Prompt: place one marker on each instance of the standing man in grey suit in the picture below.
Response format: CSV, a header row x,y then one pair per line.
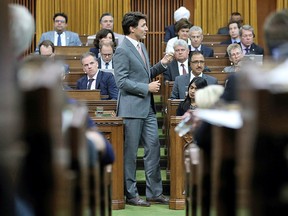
x,y
136,105
60,37
197,63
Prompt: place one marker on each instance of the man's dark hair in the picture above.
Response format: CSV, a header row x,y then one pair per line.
x,y
61,14
131,19
47,43
233,21
235,14
103,15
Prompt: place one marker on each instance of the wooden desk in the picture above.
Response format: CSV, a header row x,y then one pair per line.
x,y
177,174
71,50
84,94
219,49
113,130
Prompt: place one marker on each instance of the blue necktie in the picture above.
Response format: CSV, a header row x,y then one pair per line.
x,y
59,39
90,83
106,65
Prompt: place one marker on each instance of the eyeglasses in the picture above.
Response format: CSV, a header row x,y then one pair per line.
x,y
198,62
61,21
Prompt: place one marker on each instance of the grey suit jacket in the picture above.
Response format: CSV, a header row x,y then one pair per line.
x,y
72,38
181,83
132,78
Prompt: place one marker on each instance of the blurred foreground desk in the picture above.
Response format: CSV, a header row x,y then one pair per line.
x,y
113,129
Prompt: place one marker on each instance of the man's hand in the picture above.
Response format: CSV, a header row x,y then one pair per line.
x,y
167,59
154,87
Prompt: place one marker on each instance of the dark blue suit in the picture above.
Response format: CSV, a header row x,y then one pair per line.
x,y
95,51
105,82
255,49
169,33
207,51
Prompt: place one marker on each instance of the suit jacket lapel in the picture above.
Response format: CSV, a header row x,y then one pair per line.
x,y
137,54
98,79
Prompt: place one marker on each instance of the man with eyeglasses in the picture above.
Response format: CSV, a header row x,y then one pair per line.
x,y
95,78
60,37
247,41
197,64
106,49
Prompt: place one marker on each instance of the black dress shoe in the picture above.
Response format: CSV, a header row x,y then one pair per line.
x,y
159,200
137,201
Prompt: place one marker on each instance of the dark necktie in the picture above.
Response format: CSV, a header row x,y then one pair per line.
x,y
106,65
247,50
235,41
89,83
183,69
59,39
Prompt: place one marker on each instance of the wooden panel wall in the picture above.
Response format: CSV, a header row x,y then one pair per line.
x,y
159,14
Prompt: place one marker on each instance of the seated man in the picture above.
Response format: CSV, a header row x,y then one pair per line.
x,y
179,65
234,31
95,78
180,13
47,48
197,63
107,22
235,16
106,49
247,41
196,37
59,35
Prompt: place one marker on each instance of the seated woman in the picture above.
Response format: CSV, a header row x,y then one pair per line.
x,y
235,55
182,29
102,35
189,102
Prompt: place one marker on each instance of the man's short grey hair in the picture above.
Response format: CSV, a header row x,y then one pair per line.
x,y
196,28
180,42
247,28
22,28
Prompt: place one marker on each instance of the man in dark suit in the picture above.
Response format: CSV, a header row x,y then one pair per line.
x,y
59,36
136,106
180,64
235,16
234,31
196,37
197,63
96,79
180,13
247,42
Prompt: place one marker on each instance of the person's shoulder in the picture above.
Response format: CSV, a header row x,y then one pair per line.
x,y
47,33
72,33
226,42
